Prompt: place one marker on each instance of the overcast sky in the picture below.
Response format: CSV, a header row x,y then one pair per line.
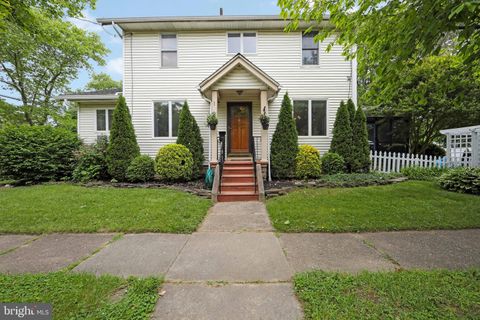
x,y
148,8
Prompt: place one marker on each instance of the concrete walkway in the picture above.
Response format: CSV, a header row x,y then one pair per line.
x,y
235,266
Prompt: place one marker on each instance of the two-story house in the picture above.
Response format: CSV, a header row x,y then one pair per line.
x,y
236,66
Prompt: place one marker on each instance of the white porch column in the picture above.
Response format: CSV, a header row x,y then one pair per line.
x,y
264,106
213,133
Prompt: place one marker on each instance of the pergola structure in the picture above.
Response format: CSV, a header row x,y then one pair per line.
x,y
463,146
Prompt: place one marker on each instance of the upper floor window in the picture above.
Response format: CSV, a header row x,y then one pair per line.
x,y
242,42
310,117
309,49
104,119
165,118
169,50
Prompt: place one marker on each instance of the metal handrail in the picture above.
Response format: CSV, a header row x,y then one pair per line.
x,y
221,159
252,142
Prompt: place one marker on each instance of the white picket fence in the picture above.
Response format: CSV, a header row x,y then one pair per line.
x,y
394,161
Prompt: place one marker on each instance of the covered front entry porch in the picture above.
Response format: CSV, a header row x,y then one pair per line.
x,y
239,92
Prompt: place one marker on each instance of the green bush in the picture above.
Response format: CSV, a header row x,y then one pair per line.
x,y
307,163
435,150
332,163
37,153
462,180
357,179
174,162
420,173
123,147
189,135
342,136
142,169
284,146
360,149
92,162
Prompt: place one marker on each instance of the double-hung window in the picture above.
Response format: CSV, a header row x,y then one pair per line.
x,y
165,118
169,50
310,117
104,120
242,42
309,49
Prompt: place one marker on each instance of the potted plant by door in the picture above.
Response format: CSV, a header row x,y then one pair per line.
x,y
264,119
212,120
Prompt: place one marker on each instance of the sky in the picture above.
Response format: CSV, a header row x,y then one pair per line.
x,y
149,8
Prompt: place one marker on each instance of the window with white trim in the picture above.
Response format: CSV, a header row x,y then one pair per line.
x,y
168,47
242,42
310,117
104,120
165,118
309,49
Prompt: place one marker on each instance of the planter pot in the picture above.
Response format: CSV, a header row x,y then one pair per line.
x,y
265,126
212,126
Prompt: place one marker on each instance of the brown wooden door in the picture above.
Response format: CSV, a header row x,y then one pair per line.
x,y
239,128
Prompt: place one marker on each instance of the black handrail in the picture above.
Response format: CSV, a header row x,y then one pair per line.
x,y
252,148
221,158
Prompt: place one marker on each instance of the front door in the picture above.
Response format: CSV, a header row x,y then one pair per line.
x,y
239,125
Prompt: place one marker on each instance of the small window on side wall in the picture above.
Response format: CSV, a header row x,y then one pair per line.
x,y
310,117
169,50
309,49
242,42
104,119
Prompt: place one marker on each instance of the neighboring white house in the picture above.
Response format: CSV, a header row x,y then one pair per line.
x,y
236,66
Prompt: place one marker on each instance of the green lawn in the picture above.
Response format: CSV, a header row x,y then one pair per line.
x,y
413,205
390,295
84,296
72,208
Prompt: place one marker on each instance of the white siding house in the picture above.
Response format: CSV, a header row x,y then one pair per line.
x,y
212,62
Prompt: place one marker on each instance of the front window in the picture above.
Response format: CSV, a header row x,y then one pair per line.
x,y
169,50
104,119
165,118
309,49
242,42
310,117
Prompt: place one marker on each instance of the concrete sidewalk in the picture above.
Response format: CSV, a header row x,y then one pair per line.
x,y
235,267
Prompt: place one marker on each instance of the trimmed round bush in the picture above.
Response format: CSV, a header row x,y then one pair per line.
x,y
142,169
174,162
332,163
37,153
92,162
462,180
307,162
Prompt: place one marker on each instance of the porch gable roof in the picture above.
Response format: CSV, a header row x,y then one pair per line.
x,y
230,65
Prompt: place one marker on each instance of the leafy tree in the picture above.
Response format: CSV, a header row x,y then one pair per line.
x,y
360,148
342,135
40,66
387,33
22,12
102,81
123,147
189,136
10,115
436,94
284,146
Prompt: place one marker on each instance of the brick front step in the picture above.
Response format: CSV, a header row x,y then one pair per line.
x,y
233,178
237,196
238,186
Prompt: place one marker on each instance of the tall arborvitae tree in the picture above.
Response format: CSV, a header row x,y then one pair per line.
x,y
123,147
361,149
284,147
189,136
351,111
342,135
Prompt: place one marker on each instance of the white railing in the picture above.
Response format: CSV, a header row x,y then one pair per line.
x,y
394,161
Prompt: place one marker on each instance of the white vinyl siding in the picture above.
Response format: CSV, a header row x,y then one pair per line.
x,y
279,54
